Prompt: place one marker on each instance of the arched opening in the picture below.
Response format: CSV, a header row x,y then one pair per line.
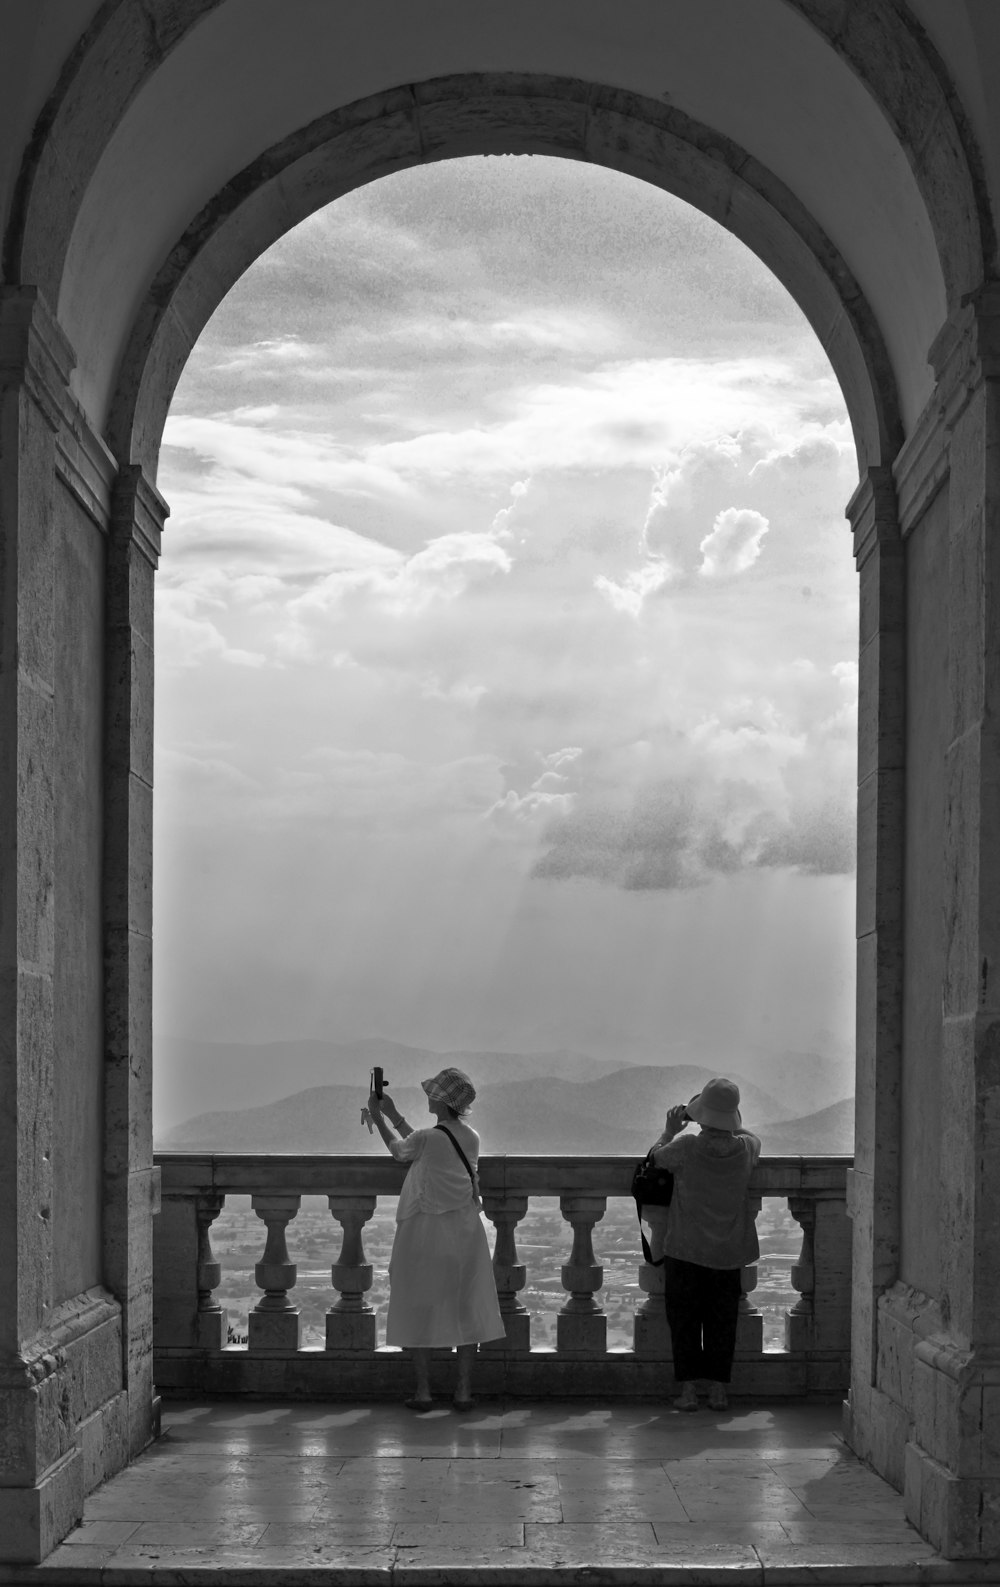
x,y
852,170
506,685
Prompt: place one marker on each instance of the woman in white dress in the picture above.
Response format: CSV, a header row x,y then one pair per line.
x,y
441,1287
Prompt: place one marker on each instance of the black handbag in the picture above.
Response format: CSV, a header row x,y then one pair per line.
x,y
651,1187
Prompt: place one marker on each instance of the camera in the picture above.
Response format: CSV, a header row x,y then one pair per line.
x,y
377,1082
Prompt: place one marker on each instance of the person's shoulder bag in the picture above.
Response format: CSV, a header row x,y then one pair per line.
x,y
651,1187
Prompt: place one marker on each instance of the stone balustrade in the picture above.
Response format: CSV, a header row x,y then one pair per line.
x,y
190,1326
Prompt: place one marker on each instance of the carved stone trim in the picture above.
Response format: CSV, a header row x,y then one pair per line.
x,y
86,467
872,513
45,1353
139,512
34,352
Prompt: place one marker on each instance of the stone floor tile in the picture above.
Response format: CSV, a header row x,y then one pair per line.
x,y
480,1537
743,1532
890,1529
661,1507
103,1534
882,1563
592,1540
315,1534
76,1557
179,1533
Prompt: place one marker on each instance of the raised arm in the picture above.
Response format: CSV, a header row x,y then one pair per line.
x,y
383,1111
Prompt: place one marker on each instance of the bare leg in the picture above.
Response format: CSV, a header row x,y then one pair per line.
x,y
466,1359
421,1366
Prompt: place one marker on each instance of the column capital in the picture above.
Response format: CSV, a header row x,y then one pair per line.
x,y
34,352
872,512
138,512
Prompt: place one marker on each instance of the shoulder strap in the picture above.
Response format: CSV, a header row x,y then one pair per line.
x,y
647,1253
468,1166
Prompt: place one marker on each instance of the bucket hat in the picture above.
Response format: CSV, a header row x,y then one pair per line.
x,y
717,1106
452,1086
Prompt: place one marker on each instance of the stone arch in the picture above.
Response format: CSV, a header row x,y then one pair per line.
x,y
876,54
484,114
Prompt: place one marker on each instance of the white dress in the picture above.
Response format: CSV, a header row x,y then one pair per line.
x,y
441,1286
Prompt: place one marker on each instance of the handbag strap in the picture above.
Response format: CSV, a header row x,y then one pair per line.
x,y
468,1166
647,1253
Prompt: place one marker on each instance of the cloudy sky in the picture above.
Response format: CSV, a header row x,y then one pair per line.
x,y
506,634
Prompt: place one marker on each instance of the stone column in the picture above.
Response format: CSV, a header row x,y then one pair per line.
x,y
131,1183
953,1457
799,1320
749,1323
211,1318
871,1421
581,1326
350,1323
41,1470
275,1324
505,1213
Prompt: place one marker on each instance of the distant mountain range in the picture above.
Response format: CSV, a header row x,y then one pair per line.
x,y
605,1115
192,1079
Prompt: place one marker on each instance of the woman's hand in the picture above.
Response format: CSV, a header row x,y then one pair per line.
x,y
374,1104
677,1118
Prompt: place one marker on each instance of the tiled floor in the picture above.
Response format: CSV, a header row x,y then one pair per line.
x,y
511,1492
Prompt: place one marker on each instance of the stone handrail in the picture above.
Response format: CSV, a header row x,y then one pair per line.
x,y
190,1327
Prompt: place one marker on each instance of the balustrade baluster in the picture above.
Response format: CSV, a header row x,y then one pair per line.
x,y
505,1213
350,1322
749,1323
799,1321
650,1334
581,1326
275,1324
211,1324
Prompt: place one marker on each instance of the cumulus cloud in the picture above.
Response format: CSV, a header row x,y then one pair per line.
x,y
734,543
629,594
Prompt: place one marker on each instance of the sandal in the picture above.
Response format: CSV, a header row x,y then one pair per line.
x,y
413,1404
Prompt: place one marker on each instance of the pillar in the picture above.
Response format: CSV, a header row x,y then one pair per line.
x,y
63,1411
874,1425
952,1471
131,1183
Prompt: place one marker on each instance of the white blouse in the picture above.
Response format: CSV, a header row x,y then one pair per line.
x,y
437,1179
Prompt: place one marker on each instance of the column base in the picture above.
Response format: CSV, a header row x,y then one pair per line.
x,y
959,1516
351,1330
274,1332
581,1333
34,1520
518,1338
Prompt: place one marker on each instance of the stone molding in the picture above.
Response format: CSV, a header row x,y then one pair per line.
x,y
67,1324
86,466
965,352
34,352
139,512
872,513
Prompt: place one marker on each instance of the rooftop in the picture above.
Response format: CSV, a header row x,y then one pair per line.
x,y
514,1491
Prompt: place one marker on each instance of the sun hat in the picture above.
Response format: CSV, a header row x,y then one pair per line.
x,y
451,1086
717,1106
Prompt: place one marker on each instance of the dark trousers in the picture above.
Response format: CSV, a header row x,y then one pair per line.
x,y
702,1307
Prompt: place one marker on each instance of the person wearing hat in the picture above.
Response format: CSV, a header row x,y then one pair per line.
x,y
710,1236
441,1286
